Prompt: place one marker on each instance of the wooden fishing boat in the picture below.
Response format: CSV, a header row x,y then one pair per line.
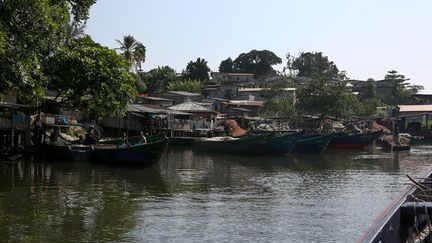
x,y
390,147
352,141
140,154
184,141
132,140
246,145
314,143
282,143
407,218
66,152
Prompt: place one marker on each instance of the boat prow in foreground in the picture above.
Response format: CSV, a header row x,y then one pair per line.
x,y
407,218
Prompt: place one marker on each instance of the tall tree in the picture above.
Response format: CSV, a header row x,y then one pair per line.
x,y
157,79
370,90
309,64
30,32
279,101
197,70
327,98
133,51
257,62
226,66
91,77
401,91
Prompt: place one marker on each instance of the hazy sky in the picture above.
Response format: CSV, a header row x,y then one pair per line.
x,y
364,37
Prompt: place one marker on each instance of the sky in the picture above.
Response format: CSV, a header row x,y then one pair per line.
x,y
366,38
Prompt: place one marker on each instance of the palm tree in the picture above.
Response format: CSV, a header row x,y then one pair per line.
x,y
132,50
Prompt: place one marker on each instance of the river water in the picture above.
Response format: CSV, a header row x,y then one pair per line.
x,y
195,197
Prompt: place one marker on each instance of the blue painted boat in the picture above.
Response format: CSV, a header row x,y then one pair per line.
x,y
315,143
283,143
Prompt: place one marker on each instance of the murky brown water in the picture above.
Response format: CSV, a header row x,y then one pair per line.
x,y
204,197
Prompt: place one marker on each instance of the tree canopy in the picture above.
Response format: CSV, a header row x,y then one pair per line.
x,y
309,64
133,51
157,79
257,62
197,70
226,66
327,98
278,100
194,86
31,31
92,77
401,91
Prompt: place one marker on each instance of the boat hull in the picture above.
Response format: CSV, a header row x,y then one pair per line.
x,y
388,147
394,224
54,152
314,144
351,141
281,144
249,145
139,154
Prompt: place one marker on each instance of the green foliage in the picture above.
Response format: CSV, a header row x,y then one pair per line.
x,y
133,51
368,109
197,70
371,90
226,66
158,78
30,32
91,77
309,64
278,101
400,91
257,62
194,86
327,98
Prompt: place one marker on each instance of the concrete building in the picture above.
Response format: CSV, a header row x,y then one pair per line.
x,y
179,97
233,77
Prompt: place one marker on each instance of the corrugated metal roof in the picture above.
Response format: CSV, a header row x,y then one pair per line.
x,y
189,107
415,108
184,93
145,109
246,102
156,98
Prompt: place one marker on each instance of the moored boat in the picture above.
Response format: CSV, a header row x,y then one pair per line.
x,y
282,143
389,146
407,218
352,141
66,152
315,143
139,154
245,145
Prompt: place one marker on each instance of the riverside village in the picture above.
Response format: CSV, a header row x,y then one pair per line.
x,y
98,146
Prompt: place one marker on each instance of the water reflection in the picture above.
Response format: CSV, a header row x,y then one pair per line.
x,y
194,196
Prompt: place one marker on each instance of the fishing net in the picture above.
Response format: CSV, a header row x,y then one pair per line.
x,y
235,129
